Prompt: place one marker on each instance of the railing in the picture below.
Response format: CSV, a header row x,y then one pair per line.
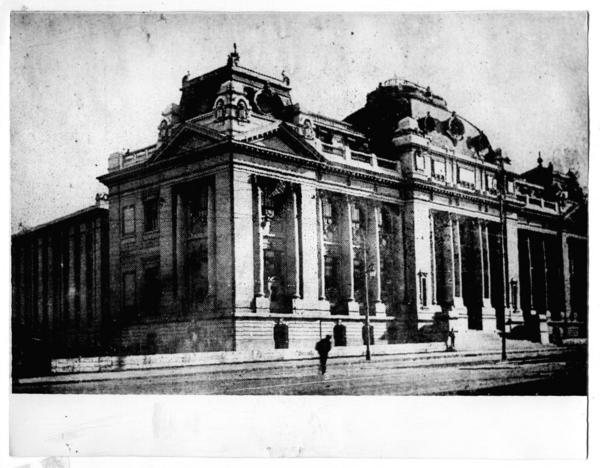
x,y
131,158
550,205
333,149
387,163
361,157
535,201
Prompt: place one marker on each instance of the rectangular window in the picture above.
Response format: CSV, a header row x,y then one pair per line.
x,y
332,279
419,161
129,293
198,212
491,182
150,214
438,170
466,176
128,220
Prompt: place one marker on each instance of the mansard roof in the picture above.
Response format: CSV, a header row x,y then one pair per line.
x,y
198,95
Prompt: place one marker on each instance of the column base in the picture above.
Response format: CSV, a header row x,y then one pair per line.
x,y
353,308
458,302
262,305
544,335
488,317
380,309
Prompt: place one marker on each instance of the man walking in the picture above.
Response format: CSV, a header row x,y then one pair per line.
x,y
323,347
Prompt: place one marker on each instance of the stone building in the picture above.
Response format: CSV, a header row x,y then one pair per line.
x,y
253,223
60,289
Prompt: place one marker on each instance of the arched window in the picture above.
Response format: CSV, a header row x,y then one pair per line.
x,y
241,110
219,110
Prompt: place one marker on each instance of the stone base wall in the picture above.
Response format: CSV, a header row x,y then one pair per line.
x,y
175,337
303,333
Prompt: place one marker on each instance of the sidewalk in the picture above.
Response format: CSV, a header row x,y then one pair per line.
x,y
412,355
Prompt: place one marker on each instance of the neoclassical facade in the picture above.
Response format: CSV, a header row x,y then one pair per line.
x,y
254,223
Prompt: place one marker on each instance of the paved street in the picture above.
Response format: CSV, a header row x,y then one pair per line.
x,y
553,373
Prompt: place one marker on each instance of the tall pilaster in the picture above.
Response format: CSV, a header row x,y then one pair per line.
x,y
312,263
211,242
243,239
180,250
512,240
566,275
71,287
488,314
259,265
294,289
224,247
373,249
167,223
41,302
321,248
457,251
50,278
433,254
347,242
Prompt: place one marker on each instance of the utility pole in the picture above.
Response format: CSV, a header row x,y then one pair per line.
x,y
501,199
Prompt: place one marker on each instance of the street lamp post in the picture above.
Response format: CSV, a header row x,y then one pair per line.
x,y
369,273
501,199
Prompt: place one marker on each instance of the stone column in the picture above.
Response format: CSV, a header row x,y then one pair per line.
x,y
488,314
294,291
543,314
433,259
180,251
71,288
211,241
566,275
243,240
83,291
530,274
348,255
224,248
50,283
40,285
97,265
167,222
456,250
321,247
312,262
261,303
488,276
446,255
460,312
374,256
512,240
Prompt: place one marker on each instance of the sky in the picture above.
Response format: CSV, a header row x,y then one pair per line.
x,y
83,86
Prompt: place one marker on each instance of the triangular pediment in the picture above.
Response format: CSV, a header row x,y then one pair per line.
x,y
285,139
187,139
